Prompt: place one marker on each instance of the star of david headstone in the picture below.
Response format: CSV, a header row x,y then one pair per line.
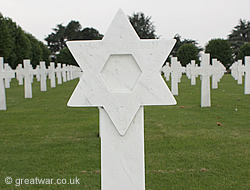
x,y
121,72
121,75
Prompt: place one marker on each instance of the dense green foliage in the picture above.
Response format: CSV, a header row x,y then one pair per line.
x,y
244,51
16,45
184,147
143,25
180,42
239,36
73,31
188,52
220,49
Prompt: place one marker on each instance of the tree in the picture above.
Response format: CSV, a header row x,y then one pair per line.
x,y
66,57
73,31
244,51
239,36
220,49
36,53
179,43
5,39
143,26
187,52
16,45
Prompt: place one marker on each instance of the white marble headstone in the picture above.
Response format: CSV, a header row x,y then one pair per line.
x,y
205,72
240,71
166,71
176,73
52,75
27,72
43,72
19,75
64,73
3,75
121,74
218,70
8,69
59,73
247,75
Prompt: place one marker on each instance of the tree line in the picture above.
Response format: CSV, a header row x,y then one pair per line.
x,y
16,44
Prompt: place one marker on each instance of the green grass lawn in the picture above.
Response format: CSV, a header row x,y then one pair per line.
x,y
184,147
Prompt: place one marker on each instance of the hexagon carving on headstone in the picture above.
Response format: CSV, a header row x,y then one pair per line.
x,y
121,72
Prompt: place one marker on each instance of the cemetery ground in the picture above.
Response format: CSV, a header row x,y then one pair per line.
x,y
186,146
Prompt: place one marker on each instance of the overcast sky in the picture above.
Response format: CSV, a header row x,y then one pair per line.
x,y
200,20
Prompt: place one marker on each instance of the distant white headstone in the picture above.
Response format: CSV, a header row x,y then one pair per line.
x,y
218,70
27,72
19,75
166,71
194,72
247,75
176,73
43,76
52,76
121,74
8,69
205,72
240,71
38,76
59,73
64,73
3,75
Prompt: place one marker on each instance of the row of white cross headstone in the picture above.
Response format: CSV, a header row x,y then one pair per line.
x,y
25,73
206,70
238,70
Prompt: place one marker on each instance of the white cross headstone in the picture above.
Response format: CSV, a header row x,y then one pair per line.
x,y
52,77
43,76
218,70
68,72
19,76
166,71
3,75
8,69
38,76
176,73
121,75
193,72
27,72
247,75
240,71
59,73
234,70
188,70
205,72
64,73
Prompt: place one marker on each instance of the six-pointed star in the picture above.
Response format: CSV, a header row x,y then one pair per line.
x,y
121,72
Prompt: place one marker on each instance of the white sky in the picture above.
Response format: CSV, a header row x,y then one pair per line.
x,y
200,20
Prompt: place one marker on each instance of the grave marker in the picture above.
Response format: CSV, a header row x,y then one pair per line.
x,y
64,73
43,76
176,73
52,76
218,70
205,72
166,71
247,75
59,73
19,76
27,72
3,75
121,75
240,71
8,69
